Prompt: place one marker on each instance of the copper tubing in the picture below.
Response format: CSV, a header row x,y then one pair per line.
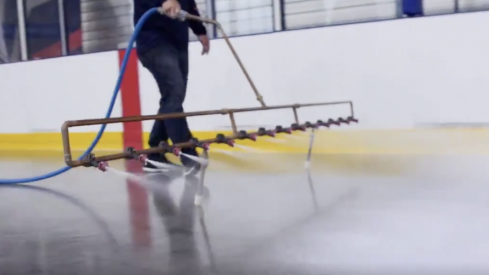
x,y
76,123
90,162
87,122
124,155
233,123
296,116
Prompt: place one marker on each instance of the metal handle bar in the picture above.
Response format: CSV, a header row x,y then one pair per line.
x,y
183,15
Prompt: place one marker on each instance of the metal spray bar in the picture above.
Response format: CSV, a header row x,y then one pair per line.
x,y
91,160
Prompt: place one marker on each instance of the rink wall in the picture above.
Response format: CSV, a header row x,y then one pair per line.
x,y
402,76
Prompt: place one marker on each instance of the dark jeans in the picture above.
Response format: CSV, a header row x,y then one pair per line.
x,y
169,67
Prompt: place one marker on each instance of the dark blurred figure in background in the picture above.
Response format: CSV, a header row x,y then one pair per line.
x,y
412,8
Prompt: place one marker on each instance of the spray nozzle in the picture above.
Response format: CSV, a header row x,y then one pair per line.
x,y
197,144
352,119
332,121
263,132
310,125
220,138
103,166
132,154
279,129
90,161
297,127
244,135
322,123
342,120
166,148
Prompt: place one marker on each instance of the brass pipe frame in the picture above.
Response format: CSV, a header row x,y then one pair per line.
x,y
76,123
65,128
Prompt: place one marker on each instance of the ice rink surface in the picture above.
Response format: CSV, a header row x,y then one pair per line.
x,y
392,214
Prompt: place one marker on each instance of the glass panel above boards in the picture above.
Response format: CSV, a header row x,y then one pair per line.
x,y
10,46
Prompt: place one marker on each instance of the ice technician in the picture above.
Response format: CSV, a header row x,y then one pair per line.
x,y
162,48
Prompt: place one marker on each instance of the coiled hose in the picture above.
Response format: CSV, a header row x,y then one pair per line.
x,y
137,29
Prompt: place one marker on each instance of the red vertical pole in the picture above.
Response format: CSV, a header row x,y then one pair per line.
x,y
133,137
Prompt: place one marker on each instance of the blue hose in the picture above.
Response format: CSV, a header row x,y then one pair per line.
x,y
137,29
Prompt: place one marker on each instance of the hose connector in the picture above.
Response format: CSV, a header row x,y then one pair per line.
x,y
181,15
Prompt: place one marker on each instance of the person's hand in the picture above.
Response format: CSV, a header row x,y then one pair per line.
x,y
204,39
171,8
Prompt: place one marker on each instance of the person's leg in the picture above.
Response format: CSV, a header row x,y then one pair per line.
x,y
183,62
158,132
164,64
